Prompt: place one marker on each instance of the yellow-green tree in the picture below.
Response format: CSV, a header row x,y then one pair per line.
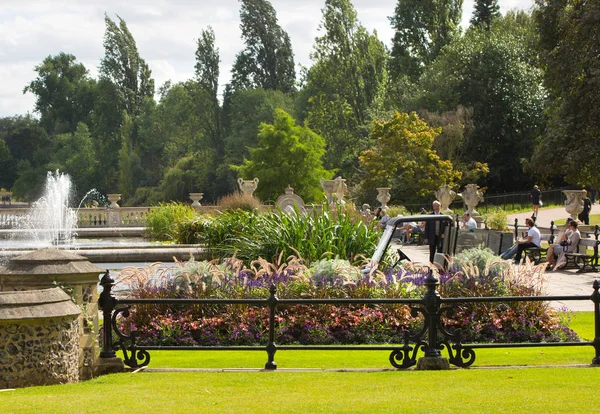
x,y
402,158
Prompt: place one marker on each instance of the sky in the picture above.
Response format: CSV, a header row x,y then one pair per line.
x,y
165,31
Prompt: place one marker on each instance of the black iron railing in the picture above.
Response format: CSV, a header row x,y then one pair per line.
x,y
432,338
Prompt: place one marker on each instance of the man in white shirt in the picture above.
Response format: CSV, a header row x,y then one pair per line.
x,y
469,222
533,239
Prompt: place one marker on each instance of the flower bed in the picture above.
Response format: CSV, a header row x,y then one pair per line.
x,y
334,324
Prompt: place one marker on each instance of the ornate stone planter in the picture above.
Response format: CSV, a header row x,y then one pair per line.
x,y
196,197
472,196
248,187
329,187
383,195
113,198
574,203
445,195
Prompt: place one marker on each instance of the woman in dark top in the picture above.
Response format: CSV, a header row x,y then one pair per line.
x,y
536,199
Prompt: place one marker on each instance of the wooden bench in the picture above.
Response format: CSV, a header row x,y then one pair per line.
x,y
581,258
539,254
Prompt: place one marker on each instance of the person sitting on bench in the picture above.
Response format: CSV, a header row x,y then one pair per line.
x,y
567,244
532,239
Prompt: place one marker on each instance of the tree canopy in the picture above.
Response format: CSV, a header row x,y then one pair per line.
x,y
286,154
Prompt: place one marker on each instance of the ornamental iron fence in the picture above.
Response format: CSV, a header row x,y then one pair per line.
x,y
432,338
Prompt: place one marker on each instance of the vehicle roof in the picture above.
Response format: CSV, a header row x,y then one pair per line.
x,y
421,217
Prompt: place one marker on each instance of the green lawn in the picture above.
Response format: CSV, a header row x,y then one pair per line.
x,y
483,388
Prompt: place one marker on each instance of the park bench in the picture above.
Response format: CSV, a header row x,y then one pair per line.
x,y
582,258
539,254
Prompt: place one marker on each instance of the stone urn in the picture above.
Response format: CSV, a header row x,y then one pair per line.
x,y
196,197
472,196
574,202
248,187
340,190
113,198
383,196
329,186
445,195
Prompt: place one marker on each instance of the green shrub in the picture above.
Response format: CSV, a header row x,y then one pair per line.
x,y
162,221
497,219
250,235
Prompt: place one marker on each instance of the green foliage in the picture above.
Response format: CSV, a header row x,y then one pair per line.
x,y
569,36
497,219
480,261
286,154
345,84
493,73
268,60
74,153
484,12
64,93
250,235
244,111
162,221
402,158
422,29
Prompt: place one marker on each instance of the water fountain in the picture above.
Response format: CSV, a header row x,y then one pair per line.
x,y
51,220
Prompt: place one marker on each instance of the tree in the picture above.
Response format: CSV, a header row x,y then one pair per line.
x,y
28,144
492,73
287,154
569,36
422,29
207,76
268,60
123,66
74,154
402,158
345,85
484,12
64,93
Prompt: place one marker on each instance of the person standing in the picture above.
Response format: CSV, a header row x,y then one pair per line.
x,y
584,216
434,232
536,200
532,239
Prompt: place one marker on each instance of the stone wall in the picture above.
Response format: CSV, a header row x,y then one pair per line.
x,y
39,352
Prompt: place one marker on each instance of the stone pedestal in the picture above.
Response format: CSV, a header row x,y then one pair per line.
x,y
433,364
47,268
383,196
39,338
112,365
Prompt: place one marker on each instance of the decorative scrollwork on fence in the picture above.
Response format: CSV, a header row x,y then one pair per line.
x,y
131,354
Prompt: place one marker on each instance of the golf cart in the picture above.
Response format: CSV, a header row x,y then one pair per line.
x,y
387,238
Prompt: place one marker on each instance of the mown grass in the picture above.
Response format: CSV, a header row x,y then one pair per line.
x,y
478,389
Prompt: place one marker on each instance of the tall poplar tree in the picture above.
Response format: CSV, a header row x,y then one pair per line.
x,y
268,60
345,84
